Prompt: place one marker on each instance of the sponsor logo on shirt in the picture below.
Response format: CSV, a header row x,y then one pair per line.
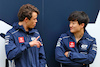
x,y
84,46
33,38
72,44
21,39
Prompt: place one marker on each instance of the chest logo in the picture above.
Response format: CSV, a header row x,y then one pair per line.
x,y
84,47
21,39
72,44
33,38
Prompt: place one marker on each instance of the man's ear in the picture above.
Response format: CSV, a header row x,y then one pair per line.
x,y
82,25
26,19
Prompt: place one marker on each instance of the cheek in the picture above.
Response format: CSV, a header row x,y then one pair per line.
x,y
33,21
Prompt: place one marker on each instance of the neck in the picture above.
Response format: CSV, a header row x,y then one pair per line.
x,y
79,35
24,25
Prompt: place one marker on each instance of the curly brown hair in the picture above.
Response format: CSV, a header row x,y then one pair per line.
x,y
26,11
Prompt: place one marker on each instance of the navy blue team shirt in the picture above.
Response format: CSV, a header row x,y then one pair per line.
x,y
18,48
81,53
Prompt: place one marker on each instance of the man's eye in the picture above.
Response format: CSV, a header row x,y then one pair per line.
x,y
35,19
73,23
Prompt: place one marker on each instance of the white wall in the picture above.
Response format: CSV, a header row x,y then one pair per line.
x,y
3,28
94,30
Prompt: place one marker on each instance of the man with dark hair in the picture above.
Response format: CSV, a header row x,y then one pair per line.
x,y
23,43
76,48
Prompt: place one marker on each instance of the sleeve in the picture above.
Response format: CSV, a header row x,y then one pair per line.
x,y
13,51
42,58
85,58
59,54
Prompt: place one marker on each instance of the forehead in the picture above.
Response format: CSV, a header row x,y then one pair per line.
x,y
34,15
75,21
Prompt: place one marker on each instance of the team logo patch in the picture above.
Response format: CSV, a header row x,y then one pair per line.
x,y
21,39
33,38
84,46
72,44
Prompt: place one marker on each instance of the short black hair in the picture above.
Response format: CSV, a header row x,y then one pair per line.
x,y
79,16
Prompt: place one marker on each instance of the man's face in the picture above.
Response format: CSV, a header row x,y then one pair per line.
x,y
75,27
32,22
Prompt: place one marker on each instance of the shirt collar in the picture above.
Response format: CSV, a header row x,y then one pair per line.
x,y
85,35
17,26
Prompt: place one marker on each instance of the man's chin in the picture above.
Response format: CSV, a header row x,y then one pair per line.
x,y
31,27
72,31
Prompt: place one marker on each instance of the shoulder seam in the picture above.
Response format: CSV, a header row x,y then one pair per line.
x,y
15,31
89,39
65,37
